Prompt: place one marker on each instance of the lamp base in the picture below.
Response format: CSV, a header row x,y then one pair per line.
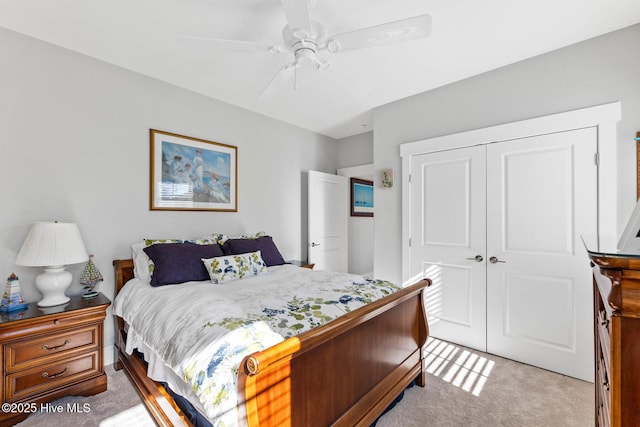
x,y
52,283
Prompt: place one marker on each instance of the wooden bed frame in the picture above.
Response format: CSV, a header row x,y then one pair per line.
x,y
343,373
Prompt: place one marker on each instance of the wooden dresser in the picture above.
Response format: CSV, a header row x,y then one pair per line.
x,y
51,352
617,338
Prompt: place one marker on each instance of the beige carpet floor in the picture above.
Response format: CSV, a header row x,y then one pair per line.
x,y
464,388
469,388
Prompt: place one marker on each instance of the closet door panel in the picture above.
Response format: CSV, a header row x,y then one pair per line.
x,y
537,200
447,233
541,197
446,215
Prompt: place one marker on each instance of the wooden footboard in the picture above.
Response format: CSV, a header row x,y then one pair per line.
x,y
344,373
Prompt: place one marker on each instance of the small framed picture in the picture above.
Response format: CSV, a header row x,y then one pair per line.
x,y
387,178
361,197
630,239
192,174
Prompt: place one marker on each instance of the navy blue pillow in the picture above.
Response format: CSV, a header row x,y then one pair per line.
x,y
270,253
180,262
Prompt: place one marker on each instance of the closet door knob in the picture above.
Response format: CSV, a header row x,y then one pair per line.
x,y
477,258
494,260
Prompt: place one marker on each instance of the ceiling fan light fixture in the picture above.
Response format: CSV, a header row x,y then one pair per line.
x,y
306,55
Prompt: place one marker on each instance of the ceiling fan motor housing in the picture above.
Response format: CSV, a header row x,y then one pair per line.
x,y
305,46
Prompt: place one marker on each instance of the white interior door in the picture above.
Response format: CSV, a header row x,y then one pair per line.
x,y
448,241
328,221
541,196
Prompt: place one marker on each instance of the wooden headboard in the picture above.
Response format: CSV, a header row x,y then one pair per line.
x,y
123,272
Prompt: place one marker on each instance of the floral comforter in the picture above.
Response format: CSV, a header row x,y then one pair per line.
x,y
202,331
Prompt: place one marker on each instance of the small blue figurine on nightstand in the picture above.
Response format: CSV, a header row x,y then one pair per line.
x,y
12,297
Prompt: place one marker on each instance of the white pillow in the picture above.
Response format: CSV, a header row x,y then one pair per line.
x,y
234,267
140,262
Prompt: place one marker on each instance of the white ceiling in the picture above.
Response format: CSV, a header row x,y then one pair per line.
x,y
468,37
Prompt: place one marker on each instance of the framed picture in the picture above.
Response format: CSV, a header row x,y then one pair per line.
x,y
387,178
361,197
192,174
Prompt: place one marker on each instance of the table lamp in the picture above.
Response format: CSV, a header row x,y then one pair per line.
x,y
52,245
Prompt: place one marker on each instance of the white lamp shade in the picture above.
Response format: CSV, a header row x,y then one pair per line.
x,y
52,244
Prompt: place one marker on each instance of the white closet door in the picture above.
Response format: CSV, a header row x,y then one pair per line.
x,y
541,196
447,234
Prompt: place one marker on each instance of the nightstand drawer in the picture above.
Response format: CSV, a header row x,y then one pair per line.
x,y
22,354
47,377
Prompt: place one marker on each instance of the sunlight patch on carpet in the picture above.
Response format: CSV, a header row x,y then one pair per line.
x,y
136,416
458,366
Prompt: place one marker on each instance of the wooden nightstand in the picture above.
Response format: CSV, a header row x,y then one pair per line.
x,y
51,352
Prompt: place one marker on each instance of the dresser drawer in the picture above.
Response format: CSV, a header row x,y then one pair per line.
x,y
44,378
22,354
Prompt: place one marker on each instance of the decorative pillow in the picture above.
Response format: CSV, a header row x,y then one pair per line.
x,y
143,266
180,262
221,238
233,267
270,253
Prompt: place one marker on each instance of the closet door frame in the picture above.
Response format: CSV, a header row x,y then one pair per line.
x,y
603,117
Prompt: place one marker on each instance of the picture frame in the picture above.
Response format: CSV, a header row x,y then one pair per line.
x,y
192,174
361,197
386,178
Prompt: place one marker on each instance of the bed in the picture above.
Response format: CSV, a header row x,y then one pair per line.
x,y
342,372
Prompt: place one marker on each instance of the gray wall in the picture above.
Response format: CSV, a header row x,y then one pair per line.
x,y
75,147
594,72
354,152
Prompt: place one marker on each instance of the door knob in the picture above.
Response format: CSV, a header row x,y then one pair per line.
x,y
494,260
314,244
477,258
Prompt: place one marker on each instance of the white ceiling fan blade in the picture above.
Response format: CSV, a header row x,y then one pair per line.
x,y
236,44
297,12
282,77
391,32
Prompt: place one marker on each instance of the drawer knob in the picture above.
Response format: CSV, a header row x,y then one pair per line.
x,y
45,374
56,322
55,347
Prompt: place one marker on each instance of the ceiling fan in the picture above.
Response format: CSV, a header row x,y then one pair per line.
x,y
305,38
